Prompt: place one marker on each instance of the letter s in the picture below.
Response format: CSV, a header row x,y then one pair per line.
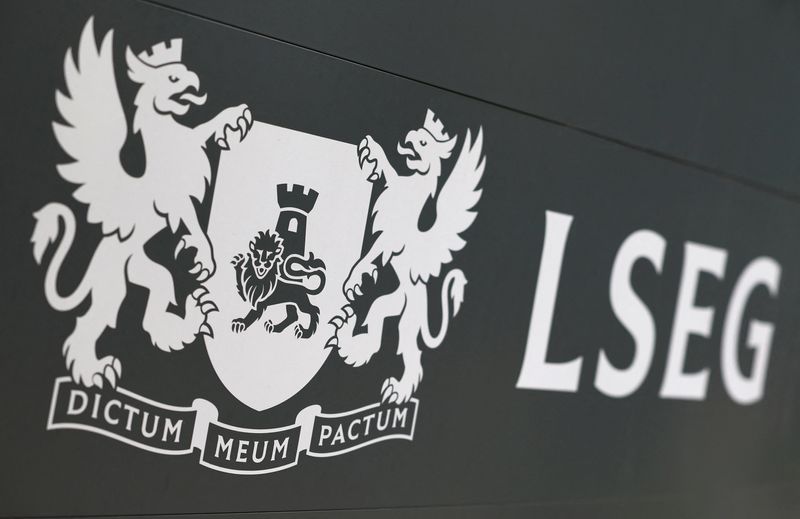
x,y
632,313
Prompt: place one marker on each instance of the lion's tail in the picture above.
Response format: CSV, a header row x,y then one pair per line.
x,y
45,233
307,272
452,291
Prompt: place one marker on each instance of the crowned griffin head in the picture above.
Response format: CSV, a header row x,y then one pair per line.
x,y
426,147
166,82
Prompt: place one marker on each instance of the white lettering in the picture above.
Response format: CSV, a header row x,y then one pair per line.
x,y
74,395
632,313
173,429
107,411
536,372
226,447
691,320
744,390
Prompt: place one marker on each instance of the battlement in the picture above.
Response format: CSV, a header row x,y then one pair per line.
x,y
295,196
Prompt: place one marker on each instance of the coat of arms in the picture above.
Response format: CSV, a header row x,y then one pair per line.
x,y
300,227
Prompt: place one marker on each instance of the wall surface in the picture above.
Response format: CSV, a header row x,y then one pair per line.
x,y
622,198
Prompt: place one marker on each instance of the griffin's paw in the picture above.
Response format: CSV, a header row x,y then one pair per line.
x,y
204,265
333,342
97,373
269,326
355,354
396,391
234,126
204,300
238,326
358,278
170,332
340,319
371,158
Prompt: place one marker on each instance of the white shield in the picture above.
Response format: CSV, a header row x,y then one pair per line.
x,y
259,368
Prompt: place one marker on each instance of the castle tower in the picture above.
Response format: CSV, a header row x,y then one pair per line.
x,y
296,202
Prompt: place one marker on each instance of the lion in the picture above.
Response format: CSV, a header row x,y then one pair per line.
x,y
265,278
415,256
131,210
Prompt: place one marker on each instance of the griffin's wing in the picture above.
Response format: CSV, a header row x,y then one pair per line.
x,y
454,211
94,134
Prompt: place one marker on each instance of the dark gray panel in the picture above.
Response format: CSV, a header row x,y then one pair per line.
x,y
480,441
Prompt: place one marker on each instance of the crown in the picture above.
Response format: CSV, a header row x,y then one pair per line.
x,y
296,197
435,127
163,53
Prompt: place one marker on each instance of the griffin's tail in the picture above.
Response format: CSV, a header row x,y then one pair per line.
x,y
45,233
452,291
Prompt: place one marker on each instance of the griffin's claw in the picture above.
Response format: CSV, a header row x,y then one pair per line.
x,y
243,128
374,275
223,144
205,329
248,115
209,307
392,398
196,268
348,311
97,380
337,322
333,342
204,274
111,376
385,385
350,294
179,247
229,134
373,177
358,291
362,144
117,367
199,292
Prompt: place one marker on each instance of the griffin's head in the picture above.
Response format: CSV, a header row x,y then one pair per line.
x,y
171,87
428,146
266,253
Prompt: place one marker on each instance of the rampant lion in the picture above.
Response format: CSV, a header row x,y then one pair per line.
x,y
416,256
265,278
131,210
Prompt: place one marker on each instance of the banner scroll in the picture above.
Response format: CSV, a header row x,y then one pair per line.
x,y
167,429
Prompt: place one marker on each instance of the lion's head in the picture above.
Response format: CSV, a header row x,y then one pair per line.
x,y
167,85
258,270
266,253
427,147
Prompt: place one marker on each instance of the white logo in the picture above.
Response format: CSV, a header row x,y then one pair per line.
x,y
281,280
131,210
415,256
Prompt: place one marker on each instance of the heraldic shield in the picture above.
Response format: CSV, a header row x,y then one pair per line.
x,y
286,224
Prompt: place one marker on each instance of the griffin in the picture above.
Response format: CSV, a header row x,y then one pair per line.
x,y
131,210
416,256
264,278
